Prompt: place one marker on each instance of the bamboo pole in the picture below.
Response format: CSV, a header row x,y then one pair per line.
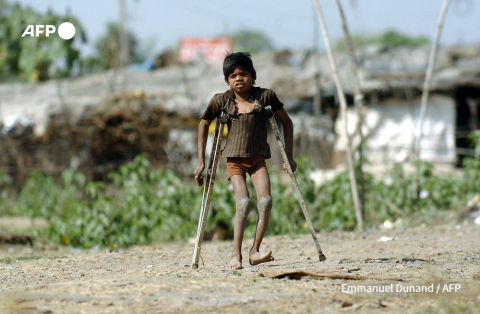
x,y
123,58
358,100
428,77
343,110
317,99
121,66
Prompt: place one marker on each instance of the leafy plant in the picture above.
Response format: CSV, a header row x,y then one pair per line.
x,y
107,49
34,59
142,205
6,195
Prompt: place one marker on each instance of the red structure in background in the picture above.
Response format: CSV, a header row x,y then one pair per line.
x,y
212,50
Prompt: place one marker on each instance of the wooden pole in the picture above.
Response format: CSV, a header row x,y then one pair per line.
x,y
123,60
208,188
271,116
343,110
317,99
358,100
428,77
121,67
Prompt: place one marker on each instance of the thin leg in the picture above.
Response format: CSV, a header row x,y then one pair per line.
x,y
261,182
242,206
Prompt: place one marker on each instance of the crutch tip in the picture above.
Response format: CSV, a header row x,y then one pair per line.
x,y
322,257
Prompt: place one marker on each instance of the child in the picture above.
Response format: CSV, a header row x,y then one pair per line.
x,y
246,148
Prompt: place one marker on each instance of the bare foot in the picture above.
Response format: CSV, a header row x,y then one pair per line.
x,y
235,264
258,258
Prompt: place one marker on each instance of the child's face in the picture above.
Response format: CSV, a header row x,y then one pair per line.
x,y
240,81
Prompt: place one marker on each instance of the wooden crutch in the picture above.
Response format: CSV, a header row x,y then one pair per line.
x,y
208,188
271,116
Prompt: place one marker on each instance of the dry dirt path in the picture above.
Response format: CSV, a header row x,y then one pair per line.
x,y
158,278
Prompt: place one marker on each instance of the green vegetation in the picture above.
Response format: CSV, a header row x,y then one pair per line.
x,y
390,39
33,59
251,41
144,205
107,50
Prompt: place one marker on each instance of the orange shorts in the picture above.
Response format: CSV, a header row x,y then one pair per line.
x,y
242,165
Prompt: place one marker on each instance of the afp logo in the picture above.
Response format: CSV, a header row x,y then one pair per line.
x,y
66,30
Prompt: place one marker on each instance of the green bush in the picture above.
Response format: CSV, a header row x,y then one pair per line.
x,y
6,196
145,206
142,205
390,38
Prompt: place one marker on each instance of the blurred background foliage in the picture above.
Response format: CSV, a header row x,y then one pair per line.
x,y
33,59
107,47
388,39
251,41
141,205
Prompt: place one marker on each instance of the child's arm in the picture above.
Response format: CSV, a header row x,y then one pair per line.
x,y
288,136
201,143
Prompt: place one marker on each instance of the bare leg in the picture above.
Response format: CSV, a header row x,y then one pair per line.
x,y
261,181
243,206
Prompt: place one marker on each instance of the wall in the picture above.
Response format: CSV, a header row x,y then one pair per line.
x,y
391,126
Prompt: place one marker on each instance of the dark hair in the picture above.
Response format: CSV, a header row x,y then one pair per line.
x,y
242,60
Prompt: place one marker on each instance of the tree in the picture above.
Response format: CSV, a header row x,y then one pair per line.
x,y
393,38
107,50
251,41
39,58
389,38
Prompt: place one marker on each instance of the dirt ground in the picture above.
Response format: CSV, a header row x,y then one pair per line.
x,y
444,261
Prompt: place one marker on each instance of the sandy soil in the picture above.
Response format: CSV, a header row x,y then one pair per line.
x,y
159,279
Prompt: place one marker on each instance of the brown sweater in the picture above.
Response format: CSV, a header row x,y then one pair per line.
x,y
247,133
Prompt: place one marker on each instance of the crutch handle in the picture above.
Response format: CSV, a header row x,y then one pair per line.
x,y
268,111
